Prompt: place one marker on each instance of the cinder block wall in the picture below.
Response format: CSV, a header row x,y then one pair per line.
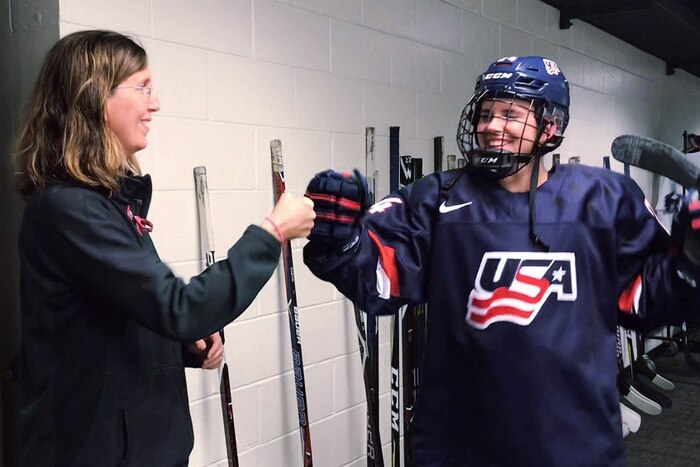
x,y
234,74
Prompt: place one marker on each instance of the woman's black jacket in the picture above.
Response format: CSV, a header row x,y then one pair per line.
x,y
103,321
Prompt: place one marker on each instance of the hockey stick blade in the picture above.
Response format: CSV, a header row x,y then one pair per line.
x,y
641,402
657,157
630,418
643,385
643,367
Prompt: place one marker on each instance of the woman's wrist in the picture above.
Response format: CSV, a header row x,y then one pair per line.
x,y
271,226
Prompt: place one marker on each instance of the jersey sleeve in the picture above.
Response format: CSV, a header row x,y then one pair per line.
x,y
656,287
103,258
387,266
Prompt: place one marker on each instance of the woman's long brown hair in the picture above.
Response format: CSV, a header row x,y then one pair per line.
x,y
65,134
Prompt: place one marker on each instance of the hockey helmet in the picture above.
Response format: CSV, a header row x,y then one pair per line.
x,y
536,86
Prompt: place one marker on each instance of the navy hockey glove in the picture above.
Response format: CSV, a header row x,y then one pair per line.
x,y
686,227
340,200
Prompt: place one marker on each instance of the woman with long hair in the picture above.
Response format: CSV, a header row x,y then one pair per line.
x,y
107,328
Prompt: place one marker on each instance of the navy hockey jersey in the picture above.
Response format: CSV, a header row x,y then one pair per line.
x,y
520,364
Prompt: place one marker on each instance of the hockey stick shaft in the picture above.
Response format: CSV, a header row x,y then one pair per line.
x,y
374,445
293,311
408,322
206,236
394,171
417,338
369,338
438,142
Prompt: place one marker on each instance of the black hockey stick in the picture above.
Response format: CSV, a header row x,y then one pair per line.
x,y
647,367
438,143
408,320
395,319
644,366
656,157
415,333
369,338
293,312
206,238
374,444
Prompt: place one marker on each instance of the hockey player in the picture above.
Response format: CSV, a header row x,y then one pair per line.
x,y
526,274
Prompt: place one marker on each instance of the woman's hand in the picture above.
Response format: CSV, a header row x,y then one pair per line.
x,y
292,217
210,350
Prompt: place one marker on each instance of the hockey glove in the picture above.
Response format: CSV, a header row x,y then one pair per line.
x,y
340,200
686,227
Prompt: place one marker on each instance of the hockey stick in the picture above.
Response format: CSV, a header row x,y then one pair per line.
x,y
372,328
293,312
369,338
408,320
374,444
206,238
416,337
647,368
656,157
437,153
631,420
395,319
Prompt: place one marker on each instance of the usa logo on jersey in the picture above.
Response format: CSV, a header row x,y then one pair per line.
x,y
513,286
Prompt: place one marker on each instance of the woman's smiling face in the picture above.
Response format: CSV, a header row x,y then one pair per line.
x,y
130,107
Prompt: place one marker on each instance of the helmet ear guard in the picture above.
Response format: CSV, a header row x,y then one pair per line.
x,y
554,116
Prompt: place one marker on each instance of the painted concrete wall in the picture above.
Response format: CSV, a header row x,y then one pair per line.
x,y
234,74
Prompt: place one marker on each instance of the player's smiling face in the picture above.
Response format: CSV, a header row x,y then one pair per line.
x,y
507,125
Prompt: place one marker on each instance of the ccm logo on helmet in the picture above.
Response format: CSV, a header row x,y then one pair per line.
x,y
513,286
485,160
502,75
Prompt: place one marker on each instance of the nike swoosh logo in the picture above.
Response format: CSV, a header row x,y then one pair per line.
x,y
444,208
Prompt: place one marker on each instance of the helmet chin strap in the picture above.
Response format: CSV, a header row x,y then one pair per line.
x,y
534,178
534,181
